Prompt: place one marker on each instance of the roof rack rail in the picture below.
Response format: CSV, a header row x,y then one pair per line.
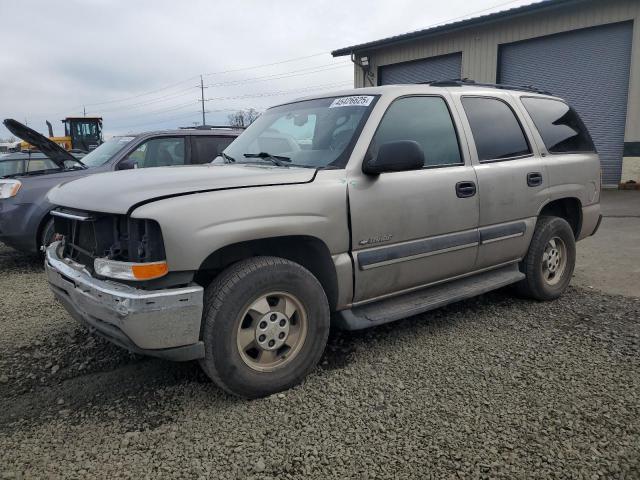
x,y
211,127
461,82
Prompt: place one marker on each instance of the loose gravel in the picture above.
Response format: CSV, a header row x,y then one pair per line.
x,y
494,387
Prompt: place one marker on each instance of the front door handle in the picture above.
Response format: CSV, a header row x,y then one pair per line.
x,y
465,189
534,179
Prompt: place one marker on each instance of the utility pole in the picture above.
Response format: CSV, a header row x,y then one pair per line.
x,y
84,110
204,121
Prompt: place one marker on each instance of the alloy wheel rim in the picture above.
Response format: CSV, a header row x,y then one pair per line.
x,y
271,331
554,261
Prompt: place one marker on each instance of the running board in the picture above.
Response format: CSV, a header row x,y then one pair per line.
x,y
413,303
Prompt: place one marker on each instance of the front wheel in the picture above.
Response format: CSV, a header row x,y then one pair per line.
x,y
265,326
550,260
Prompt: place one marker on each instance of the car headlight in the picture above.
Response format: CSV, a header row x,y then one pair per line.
x,y
130,270
9,188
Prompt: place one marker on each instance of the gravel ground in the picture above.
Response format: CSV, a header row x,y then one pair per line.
x,y
495,387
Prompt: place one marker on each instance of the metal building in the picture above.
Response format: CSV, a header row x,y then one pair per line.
x,y
586,51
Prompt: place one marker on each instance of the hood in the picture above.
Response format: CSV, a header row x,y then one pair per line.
x,y
118,192
51,149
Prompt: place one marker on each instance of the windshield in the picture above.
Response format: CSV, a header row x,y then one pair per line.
x,y
105,152
313,133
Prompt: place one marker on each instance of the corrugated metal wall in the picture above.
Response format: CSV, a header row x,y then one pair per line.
x,y
590,69
479,45
444,67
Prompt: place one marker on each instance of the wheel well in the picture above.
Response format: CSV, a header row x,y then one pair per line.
x,y
310,252
40,230
568,208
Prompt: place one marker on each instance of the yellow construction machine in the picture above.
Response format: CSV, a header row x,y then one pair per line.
x,y
81,134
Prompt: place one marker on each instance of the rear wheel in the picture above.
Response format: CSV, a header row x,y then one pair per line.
x,y
550,260
265,326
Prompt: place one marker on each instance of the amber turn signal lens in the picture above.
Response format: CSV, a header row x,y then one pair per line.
x,y
149,271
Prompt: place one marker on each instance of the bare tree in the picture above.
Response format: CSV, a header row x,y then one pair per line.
x,y
251,115
243,118
236,119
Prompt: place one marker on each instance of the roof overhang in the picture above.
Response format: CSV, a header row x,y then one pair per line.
x,y
454,26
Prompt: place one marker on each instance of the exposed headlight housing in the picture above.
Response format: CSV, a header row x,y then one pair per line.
x,y
9,188
130,271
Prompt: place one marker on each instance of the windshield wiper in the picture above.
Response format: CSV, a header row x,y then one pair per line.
x,y
227,158
275,159
79,166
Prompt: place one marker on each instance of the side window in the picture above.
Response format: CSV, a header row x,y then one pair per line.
x,y
206,149
425,120
560,127
497,132
159,152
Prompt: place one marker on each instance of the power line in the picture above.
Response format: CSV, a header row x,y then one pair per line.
x,y
170,108
204,121
186,91
230,109
142,94
252,67
180,106
151,92
474,13
164,120
281,92
180,93
265,64
470,14
278,76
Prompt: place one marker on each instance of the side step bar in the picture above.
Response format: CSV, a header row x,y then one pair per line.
x,y
430,298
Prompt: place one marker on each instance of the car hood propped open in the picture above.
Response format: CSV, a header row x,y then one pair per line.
x,y
50,148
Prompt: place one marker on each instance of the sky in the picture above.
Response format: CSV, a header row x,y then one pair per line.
x,y
137,63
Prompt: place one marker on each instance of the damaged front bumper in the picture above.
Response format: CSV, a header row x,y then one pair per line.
x,y
160,323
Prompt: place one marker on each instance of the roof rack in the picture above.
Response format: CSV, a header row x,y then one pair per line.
x,y
462,82
211,127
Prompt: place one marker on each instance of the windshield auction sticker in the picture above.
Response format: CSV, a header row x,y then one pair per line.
x,y
355,101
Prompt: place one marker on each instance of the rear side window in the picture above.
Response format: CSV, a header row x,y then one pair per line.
x,y
496,130
206,149
159,152
425,120
559,125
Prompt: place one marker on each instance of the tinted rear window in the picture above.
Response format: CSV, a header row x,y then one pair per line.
x,y
559,125
496,131
206,149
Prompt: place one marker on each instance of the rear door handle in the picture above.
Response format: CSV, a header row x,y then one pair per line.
x,y
465,189
534,179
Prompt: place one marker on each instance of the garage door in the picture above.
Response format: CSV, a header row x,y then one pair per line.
x,y
444,67
590,69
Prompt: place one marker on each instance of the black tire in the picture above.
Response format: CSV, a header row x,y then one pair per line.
x,y
535,285
226,300
47,234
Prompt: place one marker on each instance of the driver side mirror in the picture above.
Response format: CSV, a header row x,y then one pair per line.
x,y
128,164
398,156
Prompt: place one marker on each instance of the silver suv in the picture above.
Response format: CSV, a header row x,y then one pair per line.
x,y
353,209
